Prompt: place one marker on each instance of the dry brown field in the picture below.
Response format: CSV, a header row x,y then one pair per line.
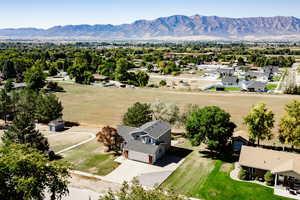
x,y
105,106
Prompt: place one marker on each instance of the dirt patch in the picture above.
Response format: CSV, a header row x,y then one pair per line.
x,y
226,167
93,184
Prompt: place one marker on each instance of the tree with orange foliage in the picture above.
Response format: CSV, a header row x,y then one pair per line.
x,y
111,139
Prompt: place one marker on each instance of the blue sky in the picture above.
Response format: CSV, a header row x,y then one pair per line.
x,y
47,13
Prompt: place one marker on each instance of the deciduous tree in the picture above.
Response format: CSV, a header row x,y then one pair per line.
x,y
26,173
289,126
137,192
110,138
260,122
166,112
210,125
35,78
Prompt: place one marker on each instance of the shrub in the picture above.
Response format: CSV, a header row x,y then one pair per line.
x,y
269,178
163,83
243,174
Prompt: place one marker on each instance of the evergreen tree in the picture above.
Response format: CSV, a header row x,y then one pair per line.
x,y
5,104
23,131
8,70
48,107
137,115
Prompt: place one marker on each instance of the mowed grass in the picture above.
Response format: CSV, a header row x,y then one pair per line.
x,y
209,179
191,175
90,158
61,141
106,106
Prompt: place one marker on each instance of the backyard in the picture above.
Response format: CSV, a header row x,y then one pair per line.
x,y
206,178
90,158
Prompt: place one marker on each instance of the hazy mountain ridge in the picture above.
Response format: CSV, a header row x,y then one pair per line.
x,y
177,26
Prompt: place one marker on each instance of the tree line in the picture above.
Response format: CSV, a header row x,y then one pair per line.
x,y
212,125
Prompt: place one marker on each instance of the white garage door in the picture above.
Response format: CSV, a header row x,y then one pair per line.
x,y
133,155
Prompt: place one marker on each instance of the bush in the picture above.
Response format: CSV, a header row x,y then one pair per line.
x,y
243,174
163,83
269,178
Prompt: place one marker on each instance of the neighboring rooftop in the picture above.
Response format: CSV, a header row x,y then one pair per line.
x,y
230,79
271,160
256,84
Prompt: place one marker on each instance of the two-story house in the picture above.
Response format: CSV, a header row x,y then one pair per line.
x,y
147,143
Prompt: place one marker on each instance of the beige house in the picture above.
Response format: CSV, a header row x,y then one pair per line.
x,y
284,165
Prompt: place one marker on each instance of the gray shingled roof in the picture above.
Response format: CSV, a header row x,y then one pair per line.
x,y
125,131
156,128
138,146
256,84
230,79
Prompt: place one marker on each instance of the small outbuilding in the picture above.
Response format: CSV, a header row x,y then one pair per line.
x,y
57,125
238,142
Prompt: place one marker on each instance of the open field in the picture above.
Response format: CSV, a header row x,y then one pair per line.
x,y
105,106
209,179
90,158
194,80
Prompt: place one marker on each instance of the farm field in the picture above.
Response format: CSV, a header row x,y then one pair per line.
x,y
105,106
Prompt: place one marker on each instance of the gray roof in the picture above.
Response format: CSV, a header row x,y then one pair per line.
x,y
138,146
155,129
56,122
16,85
256,84
229,79
125,131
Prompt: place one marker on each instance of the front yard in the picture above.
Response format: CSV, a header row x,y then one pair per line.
x,y
206,178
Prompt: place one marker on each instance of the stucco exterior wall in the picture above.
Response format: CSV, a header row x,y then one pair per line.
x,y
138,156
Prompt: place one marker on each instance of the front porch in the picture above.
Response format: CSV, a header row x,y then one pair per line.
x,y
287,186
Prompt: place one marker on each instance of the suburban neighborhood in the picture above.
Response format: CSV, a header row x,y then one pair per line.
x,y
150,100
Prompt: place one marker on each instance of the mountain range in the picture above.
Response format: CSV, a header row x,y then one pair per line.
x,y
177,27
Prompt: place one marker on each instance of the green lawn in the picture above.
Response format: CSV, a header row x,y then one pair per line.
x,y
90,158
205,178
271,86
232,89
229,89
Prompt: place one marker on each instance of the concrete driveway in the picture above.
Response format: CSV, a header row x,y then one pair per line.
x,y
148,175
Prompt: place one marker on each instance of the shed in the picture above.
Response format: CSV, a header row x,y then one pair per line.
x,y
57,125
238,142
